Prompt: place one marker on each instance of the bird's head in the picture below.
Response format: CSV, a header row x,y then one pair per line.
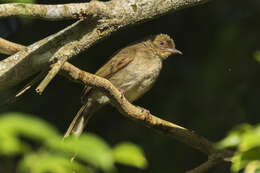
x,y
164,46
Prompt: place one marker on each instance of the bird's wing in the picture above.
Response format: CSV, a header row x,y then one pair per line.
x,y
119,61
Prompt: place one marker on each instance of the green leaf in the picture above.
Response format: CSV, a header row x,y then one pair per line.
x,y
43,162
235,136
231,140
15,125
130,154
11,145
241,159
253,167
250,139
25,125
246,138
257,56
89,148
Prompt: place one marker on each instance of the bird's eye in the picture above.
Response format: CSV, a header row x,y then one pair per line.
x,y
161,43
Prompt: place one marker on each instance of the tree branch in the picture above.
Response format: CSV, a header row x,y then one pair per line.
x,y
104,19
50,12
136,113
94,8
213,160
35,57
177,132
9,48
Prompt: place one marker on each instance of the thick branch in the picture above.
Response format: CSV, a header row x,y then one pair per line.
x,y
49,12
110,17
9,48
145,9
35,57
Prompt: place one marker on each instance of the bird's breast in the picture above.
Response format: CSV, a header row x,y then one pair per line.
x,y
137,77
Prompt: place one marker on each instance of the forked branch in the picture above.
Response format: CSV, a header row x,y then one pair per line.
x,y
98,20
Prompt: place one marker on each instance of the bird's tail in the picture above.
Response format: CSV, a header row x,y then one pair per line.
x,y
78,123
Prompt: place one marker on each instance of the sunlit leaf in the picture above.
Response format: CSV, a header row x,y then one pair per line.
x,y
231,140
11,145
15,125
246,138
257,56
235,136
250,139
241,159
43,162
253,167
89,148
19,124
130,154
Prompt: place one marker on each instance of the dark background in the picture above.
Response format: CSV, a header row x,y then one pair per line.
x,y
213,87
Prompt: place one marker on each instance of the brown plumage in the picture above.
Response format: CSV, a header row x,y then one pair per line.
x,y
133,69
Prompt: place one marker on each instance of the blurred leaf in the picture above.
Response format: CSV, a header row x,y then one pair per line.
x,y
14,125
233,139
89,148
25,125
242,159
257,56
253,167
246,138
46,162
130,154
234,136
11,145
250,139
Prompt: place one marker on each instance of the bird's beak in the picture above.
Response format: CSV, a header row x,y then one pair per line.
x,y
175,51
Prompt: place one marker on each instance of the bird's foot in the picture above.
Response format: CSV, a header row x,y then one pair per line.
x,y
144,110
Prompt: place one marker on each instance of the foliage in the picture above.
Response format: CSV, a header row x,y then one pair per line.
x,y
257,56
43,150
129,154
245,138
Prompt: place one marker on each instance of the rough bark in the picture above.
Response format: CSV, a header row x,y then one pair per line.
x,y
100,20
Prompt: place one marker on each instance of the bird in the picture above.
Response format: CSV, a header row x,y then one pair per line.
x,y
133,70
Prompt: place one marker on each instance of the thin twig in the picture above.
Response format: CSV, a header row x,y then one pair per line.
x,y
213,160
24,89
61,56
